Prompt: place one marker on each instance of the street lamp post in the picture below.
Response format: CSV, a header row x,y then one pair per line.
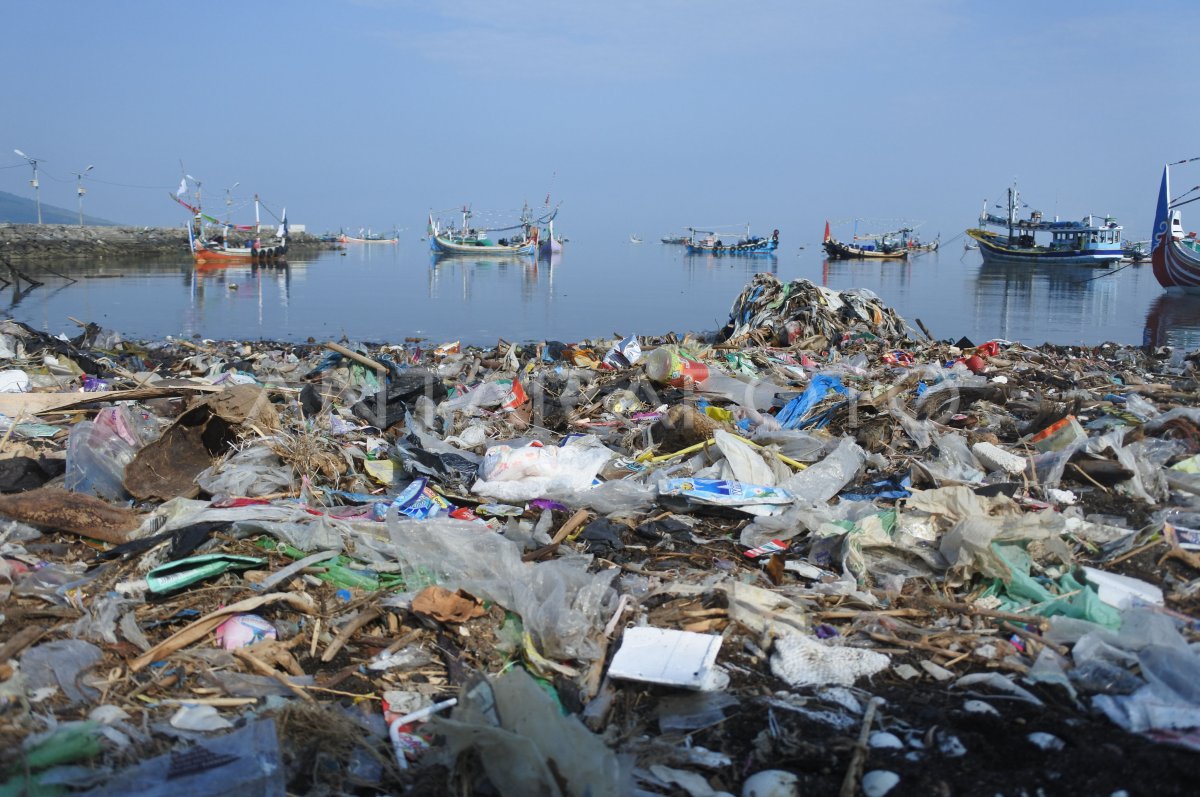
x,y
80,190
37,193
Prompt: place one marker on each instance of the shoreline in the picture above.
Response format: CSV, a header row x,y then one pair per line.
x,y
41,242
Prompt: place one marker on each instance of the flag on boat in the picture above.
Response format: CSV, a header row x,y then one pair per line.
x,y
182,187
826,229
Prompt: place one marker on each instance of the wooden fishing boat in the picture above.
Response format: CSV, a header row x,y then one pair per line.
x,y
880,247
1174,256
679,240
223,242
368,237
467,240
549,245
711,242
1072,243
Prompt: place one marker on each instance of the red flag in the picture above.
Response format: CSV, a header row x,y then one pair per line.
x,y
826,230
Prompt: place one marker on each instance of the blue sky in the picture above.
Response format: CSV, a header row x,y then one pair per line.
x,y
638,116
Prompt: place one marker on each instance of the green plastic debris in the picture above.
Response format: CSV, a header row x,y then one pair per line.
x,y
1029,595
71,742
341,571
174,575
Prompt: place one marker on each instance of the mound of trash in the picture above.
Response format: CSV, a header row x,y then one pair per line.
x,y
802,313
818,556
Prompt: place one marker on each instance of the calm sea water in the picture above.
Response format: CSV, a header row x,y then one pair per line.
x,y
597,288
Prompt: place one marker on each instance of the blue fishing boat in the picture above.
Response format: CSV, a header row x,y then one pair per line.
x,y
1072,243
710,242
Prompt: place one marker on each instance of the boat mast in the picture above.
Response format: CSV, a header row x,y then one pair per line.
x,y
256,224
1012,212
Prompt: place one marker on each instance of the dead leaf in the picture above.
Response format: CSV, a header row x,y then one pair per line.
x,y
445,606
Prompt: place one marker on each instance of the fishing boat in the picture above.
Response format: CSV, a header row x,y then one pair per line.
x,y
368,237
1135,251
1174,256
224,242
549,246
468,240
916,246
678,240
711,242
882,246
634,239
1087,242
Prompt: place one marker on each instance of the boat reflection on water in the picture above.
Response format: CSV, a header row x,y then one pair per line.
x,y
1061,302
237,283
879,273
461,273
751,263
1173,320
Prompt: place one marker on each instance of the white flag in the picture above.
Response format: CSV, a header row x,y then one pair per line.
x,y
182,187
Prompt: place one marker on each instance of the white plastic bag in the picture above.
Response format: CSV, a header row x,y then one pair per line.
x,y
531,471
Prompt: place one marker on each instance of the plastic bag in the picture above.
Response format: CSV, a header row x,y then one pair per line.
x,y
251,472
99,450
560,603
955,460
825,479
619,497
795,444
522,474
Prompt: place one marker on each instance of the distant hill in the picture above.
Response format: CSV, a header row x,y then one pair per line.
x,y
21,210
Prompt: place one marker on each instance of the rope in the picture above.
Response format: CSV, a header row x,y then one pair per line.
x,y
1105,274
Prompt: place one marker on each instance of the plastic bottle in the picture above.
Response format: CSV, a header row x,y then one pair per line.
x,y
667,366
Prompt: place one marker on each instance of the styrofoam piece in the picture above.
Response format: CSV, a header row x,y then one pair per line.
x,y
666,656
993,457
803,661
1122,591
14,381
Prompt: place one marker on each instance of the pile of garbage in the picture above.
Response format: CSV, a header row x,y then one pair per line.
x,y
808,553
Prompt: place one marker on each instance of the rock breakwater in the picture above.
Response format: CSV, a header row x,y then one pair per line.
x,y
41,242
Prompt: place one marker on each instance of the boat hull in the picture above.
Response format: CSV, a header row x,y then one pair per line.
x,y
346,239
447,247
756,248
549,248
203,254
840,251
1176,266
996,252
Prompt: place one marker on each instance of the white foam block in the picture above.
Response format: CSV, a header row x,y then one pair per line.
x,y
665,656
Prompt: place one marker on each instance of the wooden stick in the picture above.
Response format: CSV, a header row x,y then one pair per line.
x,y
200,628
220,702
348,630
1038,638
353,355
859,758
266,669
928,334
316,632
1135,551
574,522
895,640
21,640
973,610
